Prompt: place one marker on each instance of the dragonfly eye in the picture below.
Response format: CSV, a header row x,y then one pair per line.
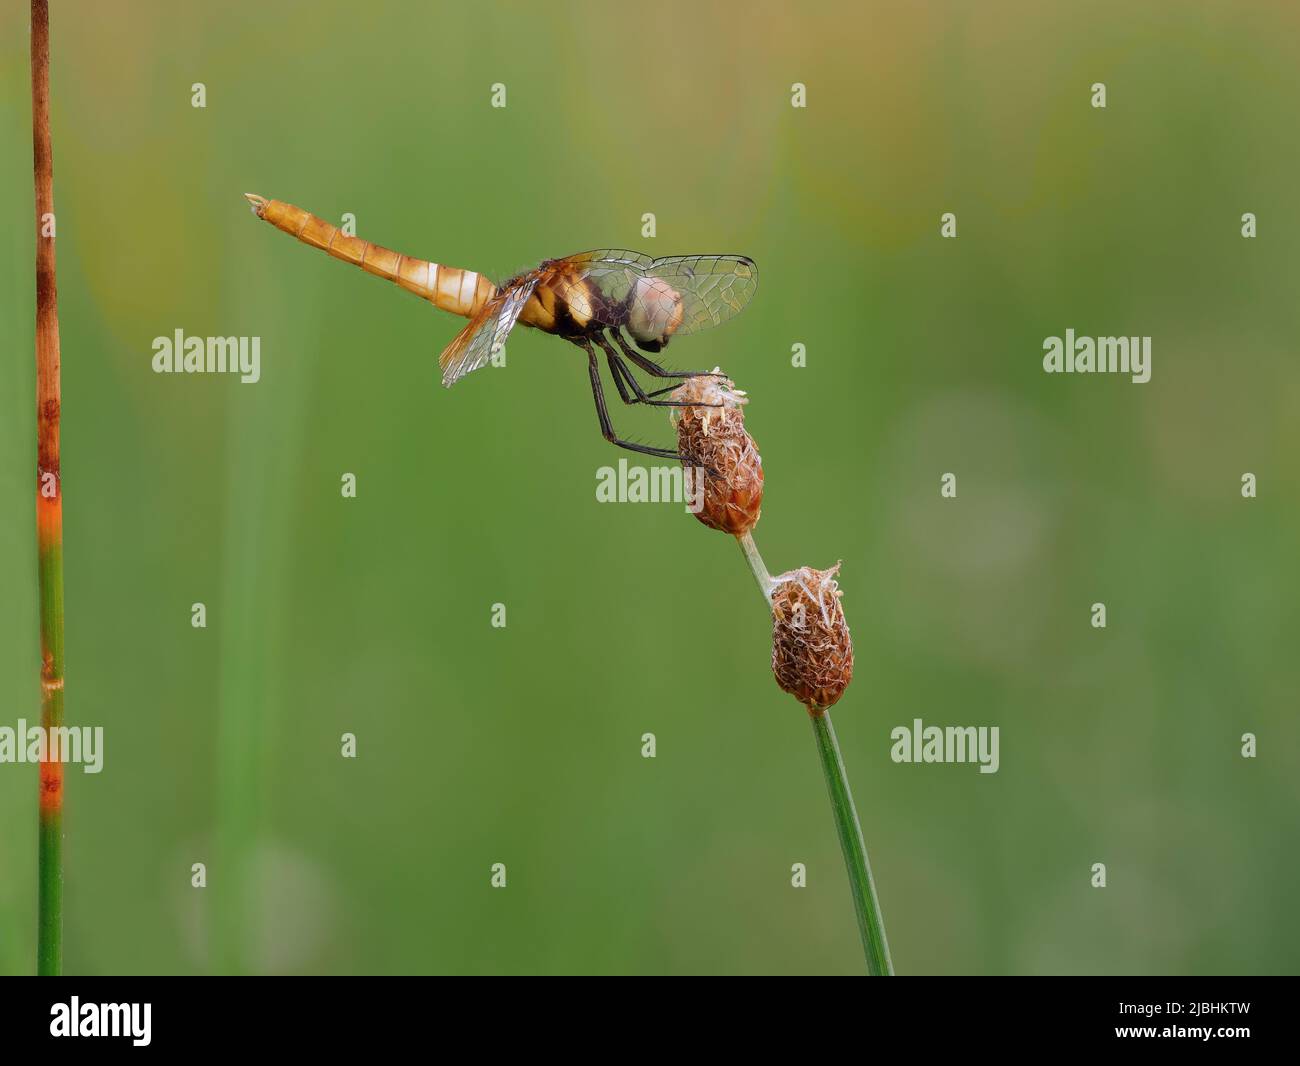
x,y
654,313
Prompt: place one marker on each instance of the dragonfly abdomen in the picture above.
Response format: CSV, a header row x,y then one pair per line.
x,y
462,292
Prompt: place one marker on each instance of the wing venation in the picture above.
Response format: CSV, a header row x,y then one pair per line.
x,y
474,346
712,288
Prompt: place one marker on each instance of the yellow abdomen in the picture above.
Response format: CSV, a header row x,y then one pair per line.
x,y
462,292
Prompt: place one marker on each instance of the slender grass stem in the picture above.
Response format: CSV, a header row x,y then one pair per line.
x,y
49,512
756,565
871,926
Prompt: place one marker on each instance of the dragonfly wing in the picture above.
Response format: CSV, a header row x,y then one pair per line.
x,y
713,288
634,287
613,273
611,257
474,346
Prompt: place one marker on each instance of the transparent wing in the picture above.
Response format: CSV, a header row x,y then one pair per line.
x,y
612,272
611,258
475,345
711,288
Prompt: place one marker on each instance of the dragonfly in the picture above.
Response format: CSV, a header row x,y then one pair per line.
x,y
627,305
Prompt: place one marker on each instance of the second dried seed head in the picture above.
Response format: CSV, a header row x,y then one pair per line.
x,y
812,652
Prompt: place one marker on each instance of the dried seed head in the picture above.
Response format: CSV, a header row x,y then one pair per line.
x,y
812,652
713,441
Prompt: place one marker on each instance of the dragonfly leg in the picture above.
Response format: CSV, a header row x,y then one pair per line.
x,y
620,372
616,372
607,427
654,369
660,392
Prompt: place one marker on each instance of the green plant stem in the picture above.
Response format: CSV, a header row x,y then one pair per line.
x,y
49,513
49,933
49,854
756,565
871,926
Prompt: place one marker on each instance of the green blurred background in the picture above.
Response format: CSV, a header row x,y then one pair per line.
x,y
522,745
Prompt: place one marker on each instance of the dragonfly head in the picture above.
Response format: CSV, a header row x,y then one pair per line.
x,y
654,313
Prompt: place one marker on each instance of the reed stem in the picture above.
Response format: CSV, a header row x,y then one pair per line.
x,y
871,926
49,512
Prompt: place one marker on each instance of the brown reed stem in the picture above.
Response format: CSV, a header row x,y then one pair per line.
x,y
49,512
